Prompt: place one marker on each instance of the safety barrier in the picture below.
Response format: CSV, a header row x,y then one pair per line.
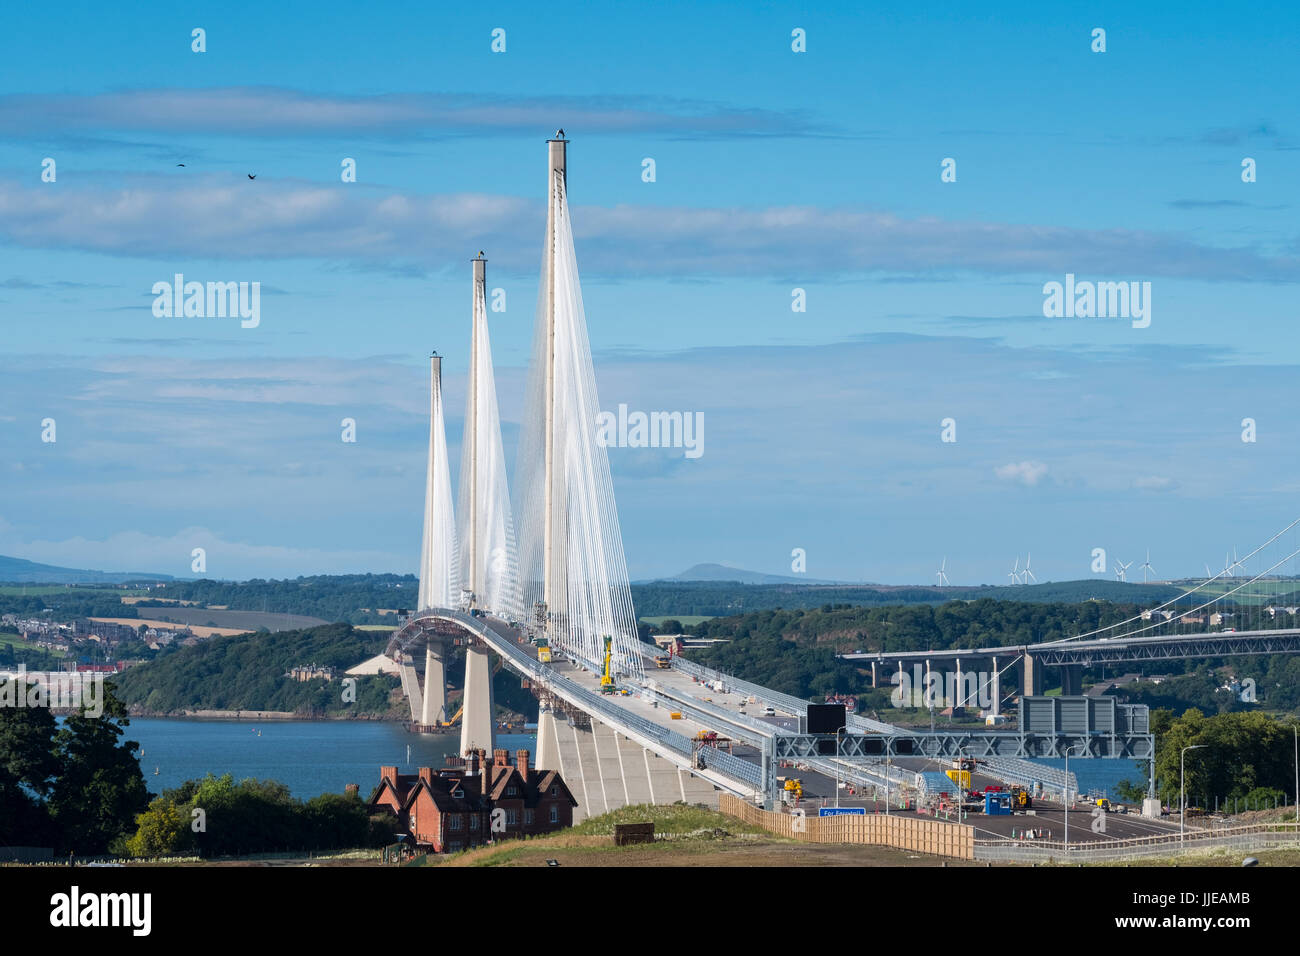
x,y
1260,836
904,833
731,765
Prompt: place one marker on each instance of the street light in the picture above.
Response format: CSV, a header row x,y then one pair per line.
x,y
1295,730
1182,793
1065,794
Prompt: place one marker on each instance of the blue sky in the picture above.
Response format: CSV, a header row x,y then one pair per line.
x,y
775,170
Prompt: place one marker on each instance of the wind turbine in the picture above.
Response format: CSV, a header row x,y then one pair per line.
x,y
1014,573
1121,569
1227,565
940,576
1235,563
1147,567
1026,574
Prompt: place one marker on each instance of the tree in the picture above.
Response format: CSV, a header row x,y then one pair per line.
x,y
99,789
162,830
27,765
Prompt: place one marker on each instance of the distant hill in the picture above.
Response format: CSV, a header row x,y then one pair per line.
x,y
719,598
21,571
721,572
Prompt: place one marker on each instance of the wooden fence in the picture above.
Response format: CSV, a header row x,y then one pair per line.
x,y
904,833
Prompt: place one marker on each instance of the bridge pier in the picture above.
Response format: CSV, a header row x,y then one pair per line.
x,y
874,682
434,709
1071,680
1031,676
477,722
411,687
995,686
548,756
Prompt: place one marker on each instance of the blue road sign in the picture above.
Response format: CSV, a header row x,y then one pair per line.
x,y
842,811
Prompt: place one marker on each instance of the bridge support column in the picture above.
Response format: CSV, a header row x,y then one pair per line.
x,y
434,710
957,695
1031,672
874,682
548,755
995,689
1071,680
411,687
476,723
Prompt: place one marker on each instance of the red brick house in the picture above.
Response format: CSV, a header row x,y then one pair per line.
x,y
452,808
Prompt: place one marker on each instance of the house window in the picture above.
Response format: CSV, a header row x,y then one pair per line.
x,y
473,822
512,791
528,817
512,817
555,790
453,822
458,793
555,814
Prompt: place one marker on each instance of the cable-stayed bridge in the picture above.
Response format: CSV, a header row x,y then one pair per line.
x,y
547,567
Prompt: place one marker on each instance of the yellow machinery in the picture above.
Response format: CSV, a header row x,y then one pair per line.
x,y
543,654
455,717
1104,804
663,663
1020,799
960,777
607,675
794,786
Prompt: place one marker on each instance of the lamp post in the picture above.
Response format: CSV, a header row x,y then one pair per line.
x,y
1182,792
1065,796
1295,730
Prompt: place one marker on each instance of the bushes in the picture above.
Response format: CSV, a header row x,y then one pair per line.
x,y
216,816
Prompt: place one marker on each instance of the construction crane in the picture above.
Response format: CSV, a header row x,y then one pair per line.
x,y
607,685
455,717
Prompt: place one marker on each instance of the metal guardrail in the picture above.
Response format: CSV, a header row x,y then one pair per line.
x,y
731,765
720,762
1253,837
1023,772
792,705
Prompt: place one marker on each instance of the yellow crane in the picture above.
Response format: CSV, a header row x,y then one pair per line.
x,y
607,675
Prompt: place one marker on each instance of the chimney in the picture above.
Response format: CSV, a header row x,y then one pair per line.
x,y
501,757
521,763
352,790
473,762
426,774
389,774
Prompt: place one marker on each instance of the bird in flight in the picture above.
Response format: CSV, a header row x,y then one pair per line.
x,y
251,176
180,164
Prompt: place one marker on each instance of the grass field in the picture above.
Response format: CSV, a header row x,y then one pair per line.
x,y
375,627
687,619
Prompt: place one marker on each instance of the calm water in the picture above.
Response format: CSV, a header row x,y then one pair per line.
x,y
310,756
1100,774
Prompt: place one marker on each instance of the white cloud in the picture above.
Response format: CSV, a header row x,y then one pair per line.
x,y
1025,472
227,217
